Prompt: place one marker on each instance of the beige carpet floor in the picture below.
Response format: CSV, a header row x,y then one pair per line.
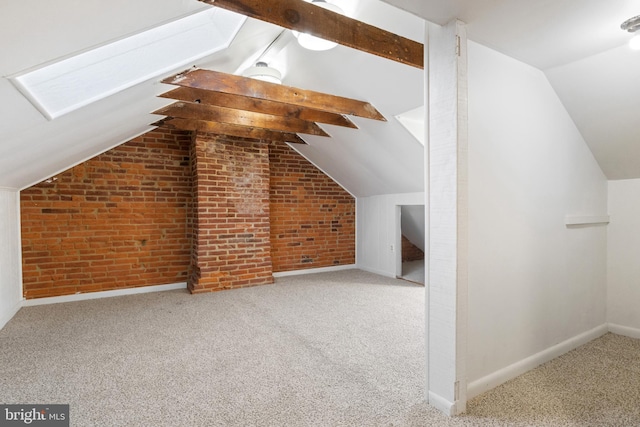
x,y
334,349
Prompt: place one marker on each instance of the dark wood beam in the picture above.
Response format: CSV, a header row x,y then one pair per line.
x,y
209,113
305,17
228,129
239,102
244,86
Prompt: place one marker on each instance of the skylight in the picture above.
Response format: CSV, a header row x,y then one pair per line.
x,y
58,88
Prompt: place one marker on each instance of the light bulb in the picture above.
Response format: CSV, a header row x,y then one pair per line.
x,y
262,71
310,42
316,43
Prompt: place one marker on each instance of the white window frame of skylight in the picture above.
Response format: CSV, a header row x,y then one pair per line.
x,y
71,83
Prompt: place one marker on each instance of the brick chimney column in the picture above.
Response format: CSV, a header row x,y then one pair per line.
x,y
230,216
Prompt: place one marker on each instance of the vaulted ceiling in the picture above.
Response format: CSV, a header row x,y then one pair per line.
x,y
577,43
582,50
214,102
377,157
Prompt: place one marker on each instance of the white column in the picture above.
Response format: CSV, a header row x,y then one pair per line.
x,y
447,195
10,255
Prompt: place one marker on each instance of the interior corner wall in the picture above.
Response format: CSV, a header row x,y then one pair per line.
x,y
623,268
413,225
312,218
534,283
10,270
125,219
411,252
116,221
376,224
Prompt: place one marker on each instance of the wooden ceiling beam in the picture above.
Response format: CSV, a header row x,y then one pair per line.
x,y
236,85
305,17
239,102
228,129
210,113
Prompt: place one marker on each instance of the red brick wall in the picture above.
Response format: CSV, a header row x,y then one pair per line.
x,y
410,252
312,217
125,218
231,214
115,221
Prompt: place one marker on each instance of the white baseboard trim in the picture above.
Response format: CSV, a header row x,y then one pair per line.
x,y
103,294
4,319
379,272
624,330
442,404
314,270
494,379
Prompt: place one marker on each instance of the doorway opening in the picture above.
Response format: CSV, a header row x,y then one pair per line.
x,y
410,240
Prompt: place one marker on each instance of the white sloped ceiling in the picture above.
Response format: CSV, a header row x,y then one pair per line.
x,y
33,147
577,43
377,158
583,51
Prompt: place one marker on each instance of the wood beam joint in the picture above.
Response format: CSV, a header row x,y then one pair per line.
x,y
304,17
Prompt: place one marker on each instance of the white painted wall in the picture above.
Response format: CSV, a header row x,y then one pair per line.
x,y
10,262
376,224
534,283
623,257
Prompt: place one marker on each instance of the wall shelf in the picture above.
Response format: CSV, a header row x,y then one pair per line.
x,y
570,220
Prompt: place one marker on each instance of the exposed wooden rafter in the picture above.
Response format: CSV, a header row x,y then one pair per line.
x,y
224,104
210,113
246,132
305,17
252,88
239,102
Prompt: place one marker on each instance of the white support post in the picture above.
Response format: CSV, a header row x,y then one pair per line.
x,y
448,218
10,255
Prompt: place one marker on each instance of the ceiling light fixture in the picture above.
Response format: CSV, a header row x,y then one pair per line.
x,y
632,25
316,43
262,71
